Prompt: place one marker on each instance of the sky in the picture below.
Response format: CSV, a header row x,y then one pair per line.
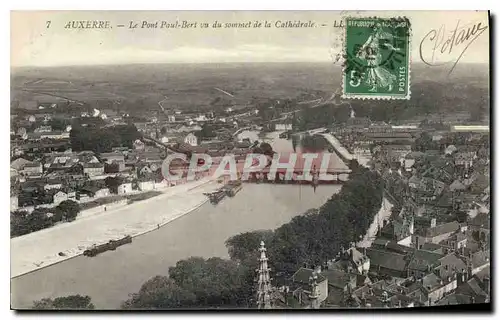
x,y
33,44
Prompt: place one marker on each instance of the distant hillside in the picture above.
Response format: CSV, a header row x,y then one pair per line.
x,y
138,88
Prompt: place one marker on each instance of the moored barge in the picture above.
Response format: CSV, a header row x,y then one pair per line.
x,y
111,245
233,187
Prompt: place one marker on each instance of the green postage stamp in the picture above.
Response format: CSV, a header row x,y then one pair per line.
x,y
377,58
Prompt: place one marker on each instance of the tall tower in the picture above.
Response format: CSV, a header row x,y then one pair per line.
x,y
314,295
264,281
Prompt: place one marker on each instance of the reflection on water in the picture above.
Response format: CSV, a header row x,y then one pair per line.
x,y
109,278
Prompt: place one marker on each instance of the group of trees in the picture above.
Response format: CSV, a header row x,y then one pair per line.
x,y
73,302
59,124
197,283
207,132
264,148
313,143
103,139
22,222
112,183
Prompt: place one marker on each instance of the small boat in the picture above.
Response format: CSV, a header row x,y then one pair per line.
x,y
284,135
233,187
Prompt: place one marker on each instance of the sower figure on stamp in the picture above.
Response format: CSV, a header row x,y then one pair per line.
x,y
377,75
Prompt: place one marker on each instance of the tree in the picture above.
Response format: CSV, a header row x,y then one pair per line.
x,y
160,292
243,245
314,143
73,302
295,142
19,223
207,131
197,283
266,149
103,139
58,124
112,183
215,282
69,209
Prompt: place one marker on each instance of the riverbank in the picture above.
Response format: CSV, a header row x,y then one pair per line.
x,y
109,277
41,249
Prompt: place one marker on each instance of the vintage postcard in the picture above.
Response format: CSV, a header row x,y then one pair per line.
x,y
247,160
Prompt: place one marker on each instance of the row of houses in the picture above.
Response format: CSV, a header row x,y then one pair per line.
x,y
392,275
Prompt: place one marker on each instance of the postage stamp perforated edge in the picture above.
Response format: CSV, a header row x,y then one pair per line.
x,y
384,96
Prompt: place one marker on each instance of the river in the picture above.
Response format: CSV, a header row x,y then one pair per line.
x,y
109,278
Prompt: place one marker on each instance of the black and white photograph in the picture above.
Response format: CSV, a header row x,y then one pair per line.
x,y
246,160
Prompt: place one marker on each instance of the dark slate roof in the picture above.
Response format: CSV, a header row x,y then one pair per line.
x,y
476,288
442,229
433,247
303,274
457,185
472,288
431,282
455,298
422,259
336,278
481,220
380,242
455,264
106,155
483,274
387,259
480,258
398,248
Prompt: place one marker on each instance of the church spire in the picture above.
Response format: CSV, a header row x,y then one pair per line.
x,y
264,281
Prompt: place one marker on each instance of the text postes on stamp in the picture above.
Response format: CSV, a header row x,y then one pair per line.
x,y
377,58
